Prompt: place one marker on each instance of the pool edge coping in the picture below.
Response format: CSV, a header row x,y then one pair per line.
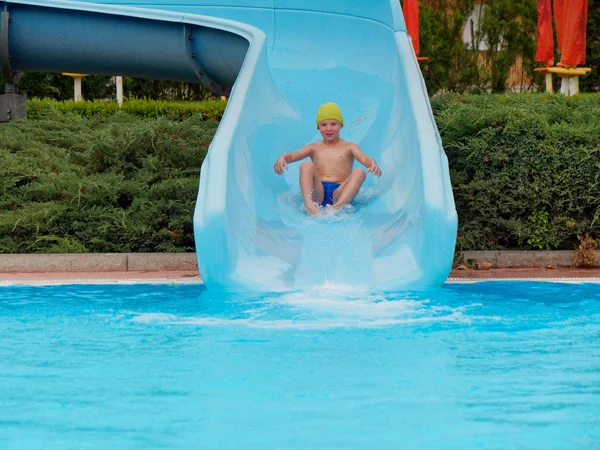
x,y
132,262
198,281
102,281
572,280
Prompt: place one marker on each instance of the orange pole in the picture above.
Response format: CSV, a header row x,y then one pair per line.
x,y
410,8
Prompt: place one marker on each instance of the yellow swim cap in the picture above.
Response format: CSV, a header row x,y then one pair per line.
x,y
329,111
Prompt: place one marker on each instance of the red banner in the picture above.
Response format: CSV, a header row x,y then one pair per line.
x,y
559,20
545,37
410,8
574,29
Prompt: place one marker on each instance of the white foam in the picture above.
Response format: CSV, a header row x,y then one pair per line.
x,y
295,324
154,317
331,306
294,214
347,301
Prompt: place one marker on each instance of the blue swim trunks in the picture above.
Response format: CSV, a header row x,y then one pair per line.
x,y
329,187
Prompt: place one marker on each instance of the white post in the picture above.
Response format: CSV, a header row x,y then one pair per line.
x,y
78,96
565,86
119,84
574,85
549,87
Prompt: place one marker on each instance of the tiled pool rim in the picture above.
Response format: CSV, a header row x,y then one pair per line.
x,y
100,281
105,278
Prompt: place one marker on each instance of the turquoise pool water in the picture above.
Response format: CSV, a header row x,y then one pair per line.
x,y
485,365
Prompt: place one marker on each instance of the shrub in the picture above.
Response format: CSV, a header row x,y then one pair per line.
x,y
524,168
76,183
585,254
525,173
207,110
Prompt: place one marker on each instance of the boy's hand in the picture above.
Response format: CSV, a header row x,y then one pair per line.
x,y
374,169
280,165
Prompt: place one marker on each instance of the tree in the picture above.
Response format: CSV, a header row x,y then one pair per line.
x,y
591,82
60,87
165,90
509,29
451,65
506,31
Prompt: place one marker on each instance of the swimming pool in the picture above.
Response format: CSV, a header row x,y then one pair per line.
x,y
482,365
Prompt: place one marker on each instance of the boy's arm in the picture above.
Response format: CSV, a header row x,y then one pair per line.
x,y
283,160
365,160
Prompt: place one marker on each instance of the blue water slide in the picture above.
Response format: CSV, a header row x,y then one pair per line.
x,y
277,60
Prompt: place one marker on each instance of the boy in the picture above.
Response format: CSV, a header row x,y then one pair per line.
x,y
329,179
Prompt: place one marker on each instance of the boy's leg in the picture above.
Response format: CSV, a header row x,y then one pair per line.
x,y
312,189
346,192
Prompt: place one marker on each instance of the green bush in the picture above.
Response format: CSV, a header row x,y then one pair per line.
x,y
74,183
525,169
208,109
525,172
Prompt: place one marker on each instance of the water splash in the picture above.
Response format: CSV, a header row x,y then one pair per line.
x,y
329,306
293,212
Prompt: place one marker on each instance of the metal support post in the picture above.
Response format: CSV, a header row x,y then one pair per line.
x,y
565,86
549,87
12,104
574,85
77,92
119,86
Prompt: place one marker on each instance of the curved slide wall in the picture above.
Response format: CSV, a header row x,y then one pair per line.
x,y
251,232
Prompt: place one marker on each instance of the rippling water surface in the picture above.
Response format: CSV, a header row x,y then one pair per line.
x,y
485,365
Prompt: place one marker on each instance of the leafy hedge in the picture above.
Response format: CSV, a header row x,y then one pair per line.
x,y
116,184
525,171
208,109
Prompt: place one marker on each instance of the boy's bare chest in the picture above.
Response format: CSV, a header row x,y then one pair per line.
x,y
328,157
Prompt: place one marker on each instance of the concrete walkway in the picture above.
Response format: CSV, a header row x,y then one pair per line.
x,y
182,267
